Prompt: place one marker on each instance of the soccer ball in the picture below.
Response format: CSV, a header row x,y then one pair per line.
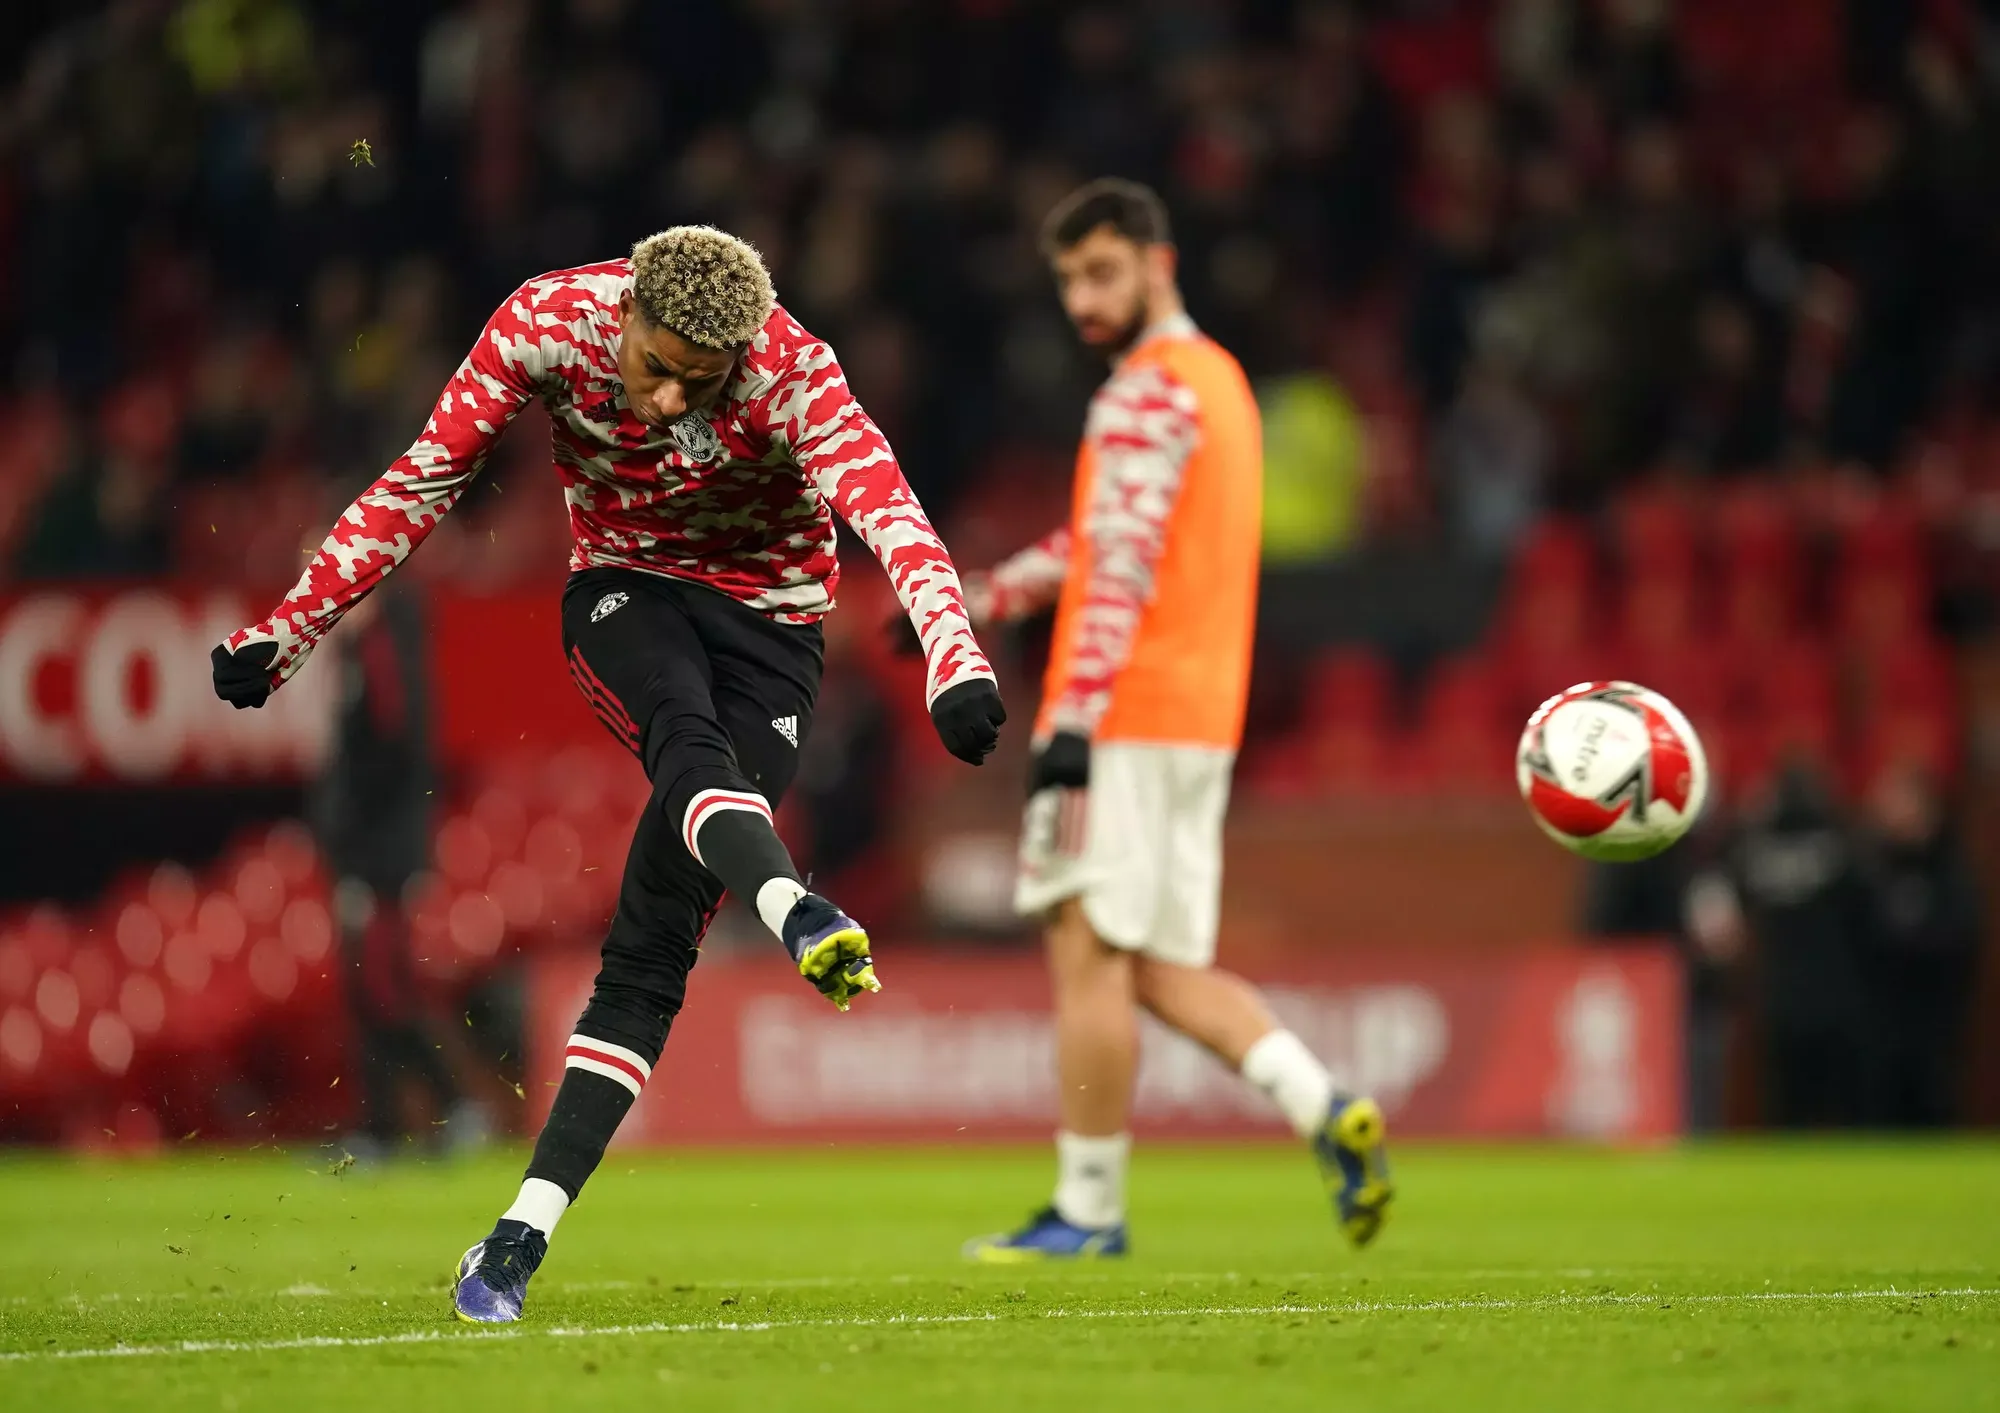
x,y
1612,771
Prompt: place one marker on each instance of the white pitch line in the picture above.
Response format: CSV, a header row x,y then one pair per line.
x,y
1415,1307
308,1290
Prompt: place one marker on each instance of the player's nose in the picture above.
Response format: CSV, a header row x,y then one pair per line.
x,y
669,401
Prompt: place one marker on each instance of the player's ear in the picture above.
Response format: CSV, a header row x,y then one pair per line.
x,y
1164,261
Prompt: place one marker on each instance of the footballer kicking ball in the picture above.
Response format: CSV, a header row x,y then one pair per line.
x,y
1612,771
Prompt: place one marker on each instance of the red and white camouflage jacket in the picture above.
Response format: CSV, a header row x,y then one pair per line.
x,y
739,497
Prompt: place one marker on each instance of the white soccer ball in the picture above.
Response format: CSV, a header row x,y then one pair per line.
x,y
1612,771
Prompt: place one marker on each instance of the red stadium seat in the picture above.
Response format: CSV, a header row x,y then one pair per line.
x,y
1559,551
501,813
306,929
290,847
171,893
258,890
1907,711
143,1004
1549,633
110,1043
1882,605
1343,741
1927,738
273,970
1348,758
554,849
47,930
1758,609
220,925
476,925
1885,535
1657,535
1660,614
1278,768
139,934
464,852
518,891
17,968
96,973
1757,530
1464,741
1797,679
58,1000
1349,686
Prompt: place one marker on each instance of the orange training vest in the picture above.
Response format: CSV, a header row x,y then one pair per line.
x,y
1188,678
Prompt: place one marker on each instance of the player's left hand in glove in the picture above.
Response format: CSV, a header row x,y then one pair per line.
x,y
244,678
968,718
1062,764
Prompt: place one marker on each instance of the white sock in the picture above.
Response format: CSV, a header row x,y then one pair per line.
x,y
540,1205
1090,1179
1291,1077
775,900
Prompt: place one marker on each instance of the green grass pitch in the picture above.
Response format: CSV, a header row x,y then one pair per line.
x,y
1811,1275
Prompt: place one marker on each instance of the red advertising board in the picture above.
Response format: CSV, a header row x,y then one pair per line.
x,y
1572,1042
501,681
110,684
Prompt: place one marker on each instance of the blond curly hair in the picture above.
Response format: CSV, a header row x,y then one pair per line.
x,y
706,285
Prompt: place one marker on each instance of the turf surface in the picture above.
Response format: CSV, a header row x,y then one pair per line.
x,y
1810,1275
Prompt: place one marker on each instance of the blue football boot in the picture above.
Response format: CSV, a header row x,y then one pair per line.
x,y
493,1275
1354,1162
1047,1237
831,950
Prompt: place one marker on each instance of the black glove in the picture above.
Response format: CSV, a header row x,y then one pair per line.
x,y
243,678
968,719
1063,764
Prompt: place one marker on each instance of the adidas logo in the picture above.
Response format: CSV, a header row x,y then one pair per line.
x,y
788,727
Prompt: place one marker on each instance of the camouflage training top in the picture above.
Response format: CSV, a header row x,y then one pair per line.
x,y
740,496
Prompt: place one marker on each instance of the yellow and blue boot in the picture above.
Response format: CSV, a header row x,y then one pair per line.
x,y
831,950
1353,1158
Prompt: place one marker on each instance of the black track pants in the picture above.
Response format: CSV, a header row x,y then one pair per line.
x,y
710,696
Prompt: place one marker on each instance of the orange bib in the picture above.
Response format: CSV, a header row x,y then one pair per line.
x,y
1188,678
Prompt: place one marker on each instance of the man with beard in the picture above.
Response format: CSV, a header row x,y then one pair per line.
x,y
1155,586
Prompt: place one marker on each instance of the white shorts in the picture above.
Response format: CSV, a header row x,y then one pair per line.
x,y
1141,846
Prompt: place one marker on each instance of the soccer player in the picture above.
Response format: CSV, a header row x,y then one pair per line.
x,y
1155,584
703,441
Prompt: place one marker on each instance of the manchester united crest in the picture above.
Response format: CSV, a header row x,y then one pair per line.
x,y
696,438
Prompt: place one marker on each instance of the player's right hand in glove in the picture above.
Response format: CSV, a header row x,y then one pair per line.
x,y
968,718
1062,764
244,678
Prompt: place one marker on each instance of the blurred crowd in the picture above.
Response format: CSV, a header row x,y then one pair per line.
x,y
1487,256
